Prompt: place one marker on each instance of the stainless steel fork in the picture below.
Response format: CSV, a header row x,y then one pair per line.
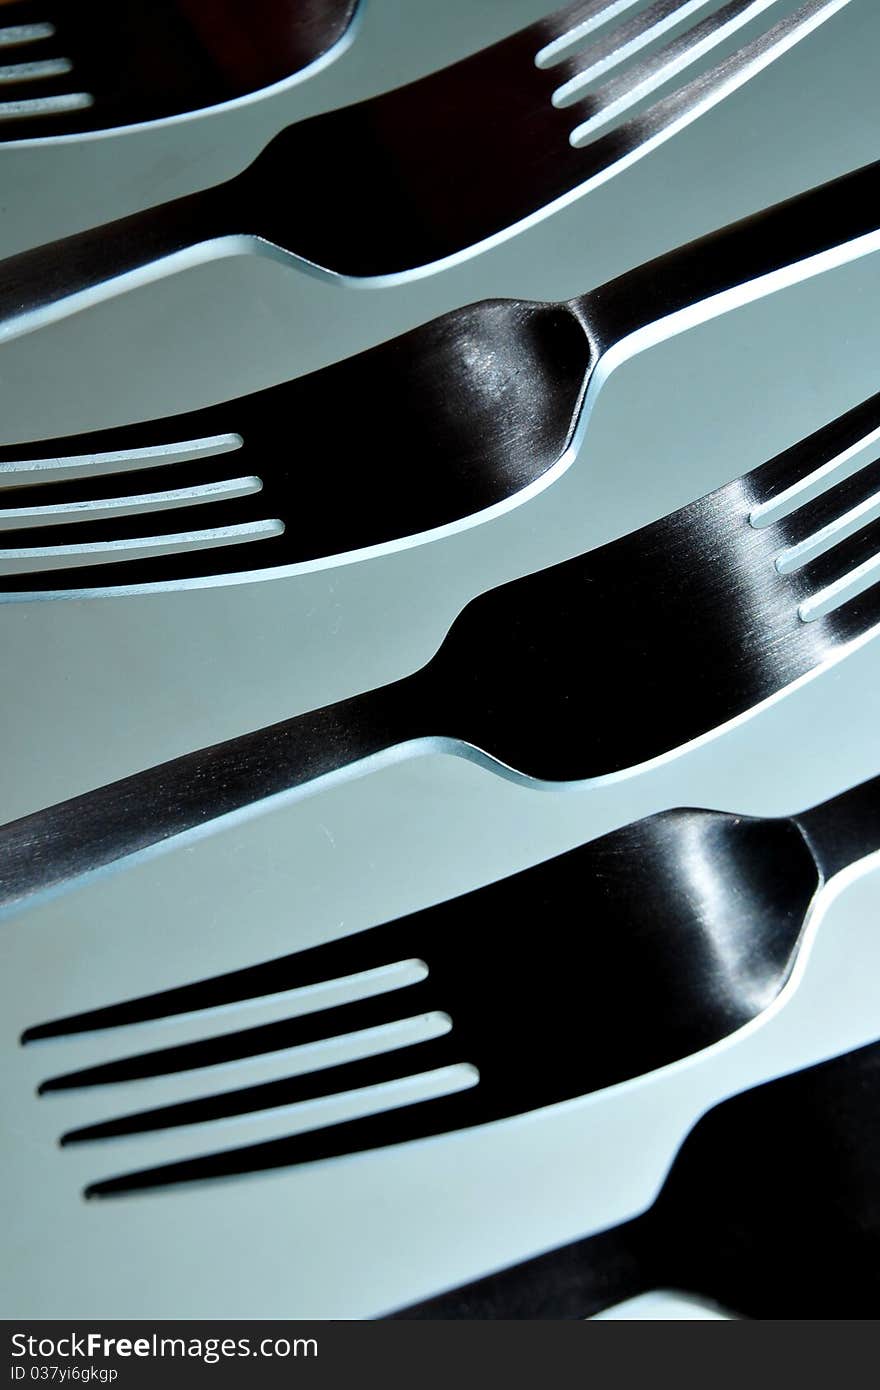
x,y
489,397
96,66
449,161
82,323
677,931
692,620
54,187
449,1198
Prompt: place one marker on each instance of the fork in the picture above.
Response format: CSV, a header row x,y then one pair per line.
x,y
490,397
567,1171
692,921
696,618
68,69
428,174
770,1208
57,185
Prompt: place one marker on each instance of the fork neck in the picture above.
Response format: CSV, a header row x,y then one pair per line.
x,y
844,830
573,1282
734,259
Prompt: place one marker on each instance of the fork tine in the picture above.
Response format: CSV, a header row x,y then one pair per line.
x,y
844,508
844,557
623,42
34,71
16,35
377,1011
45,106
18,471
840,577
852,602
42,557
423,1120
82,523
801,472
683,105
22,487
26,515
335,960
101,533
576,23
637,81
121,509
379,1070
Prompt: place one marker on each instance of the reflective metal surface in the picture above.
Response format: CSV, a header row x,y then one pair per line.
x,y
685,927
254,1215
664,423
301,873
772,1208
444,421
94,66
389,166
586,668
58,185
106,356
484,401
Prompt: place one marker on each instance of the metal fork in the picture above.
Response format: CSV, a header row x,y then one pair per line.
x,y
771,1208
489,397
447,162
569,1170
695,618
687,925
91,66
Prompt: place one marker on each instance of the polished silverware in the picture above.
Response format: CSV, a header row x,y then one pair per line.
x,y
487,398
686,928
593,665
447,162
55,187
92,66
771,1208
565,1171
233,313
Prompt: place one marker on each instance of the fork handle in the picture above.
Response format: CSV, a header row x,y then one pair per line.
x,y
575,1281
33,281
49,848
783,236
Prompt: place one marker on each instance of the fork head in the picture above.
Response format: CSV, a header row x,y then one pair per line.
x,y
474,150
685,926
68,68
612,658
437,424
